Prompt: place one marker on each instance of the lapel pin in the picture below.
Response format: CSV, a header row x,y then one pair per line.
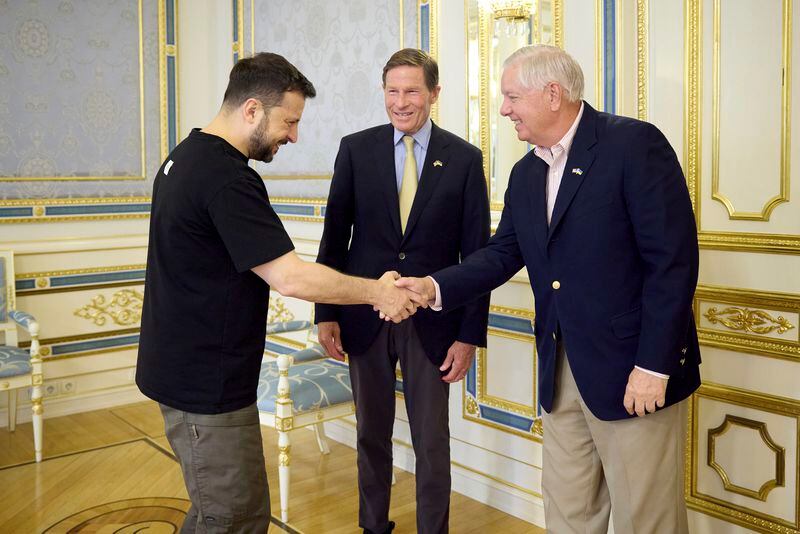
x,y
437,163
577,171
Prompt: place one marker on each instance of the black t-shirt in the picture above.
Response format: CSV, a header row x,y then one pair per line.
x,y
205,312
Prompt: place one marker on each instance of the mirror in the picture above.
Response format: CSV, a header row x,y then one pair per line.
x,y
495,29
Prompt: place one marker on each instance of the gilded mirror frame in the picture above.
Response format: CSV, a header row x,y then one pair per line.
x,y
479,15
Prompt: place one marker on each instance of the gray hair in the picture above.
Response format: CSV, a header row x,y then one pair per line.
x,y
543,64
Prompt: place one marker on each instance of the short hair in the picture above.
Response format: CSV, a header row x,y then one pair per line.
x,y
543,64
412,57
265,77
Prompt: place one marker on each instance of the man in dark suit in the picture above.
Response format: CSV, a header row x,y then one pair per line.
x,y
599,214
411,197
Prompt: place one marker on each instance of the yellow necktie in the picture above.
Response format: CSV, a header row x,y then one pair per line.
x,y
409,186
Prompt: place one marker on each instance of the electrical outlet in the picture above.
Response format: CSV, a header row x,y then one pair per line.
x,y
51,389
68,387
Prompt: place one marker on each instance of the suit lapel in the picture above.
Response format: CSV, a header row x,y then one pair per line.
x,y
431,174
579,161
386,174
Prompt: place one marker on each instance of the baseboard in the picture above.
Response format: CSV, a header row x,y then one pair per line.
x,y
96,400
525,506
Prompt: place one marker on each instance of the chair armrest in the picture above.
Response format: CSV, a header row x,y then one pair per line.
x,y
25,320
287,326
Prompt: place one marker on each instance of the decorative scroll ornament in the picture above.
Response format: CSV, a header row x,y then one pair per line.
x,y
472,406
284,455
278,312
744,319
538,427
124,308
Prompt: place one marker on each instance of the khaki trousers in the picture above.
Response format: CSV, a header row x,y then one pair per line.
x,y
631,466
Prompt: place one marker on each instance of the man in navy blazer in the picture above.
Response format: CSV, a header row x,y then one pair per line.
x,y
599,214
374,224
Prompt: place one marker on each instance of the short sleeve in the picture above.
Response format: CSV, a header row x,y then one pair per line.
x,y
251,230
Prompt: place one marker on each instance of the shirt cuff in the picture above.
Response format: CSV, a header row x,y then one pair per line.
x,y
648,371
437,304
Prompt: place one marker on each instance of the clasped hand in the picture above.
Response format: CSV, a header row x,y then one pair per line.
x,y
396,303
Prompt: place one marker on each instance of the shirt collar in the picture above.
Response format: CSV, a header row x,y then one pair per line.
x,y
422,136
566,142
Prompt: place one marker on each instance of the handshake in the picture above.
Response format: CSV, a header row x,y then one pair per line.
x,y
397,298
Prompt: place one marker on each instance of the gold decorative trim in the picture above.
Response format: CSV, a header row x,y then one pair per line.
x,y
143,176
741,341
692,96
284,455
755,321
124,308
481,377
284,424
716,194
278,312
780,457
558,23
298,200
45,275
433,35
719,508
642,56
45,203
402,23
736,241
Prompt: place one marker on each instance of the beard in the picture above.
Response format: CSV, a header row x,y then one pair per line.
x,y
260,147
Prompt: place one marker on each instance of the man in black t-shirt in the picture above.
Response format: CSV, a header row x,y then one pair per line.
x,y
214,242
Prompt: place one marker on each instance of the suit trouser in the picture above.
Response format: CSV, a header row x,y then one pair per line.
x,y
373,378
631,466
222,460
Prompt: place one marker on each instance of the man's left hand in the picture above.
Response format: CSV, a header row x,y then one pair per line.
x,y
644,393
458,360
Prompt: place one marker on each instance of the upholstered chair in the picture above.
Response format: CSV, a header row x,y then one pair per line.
x,y
300,389
19,368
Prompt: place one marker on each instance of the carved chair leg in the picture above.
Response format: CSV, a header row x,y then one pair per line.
x,y
12,410
284,462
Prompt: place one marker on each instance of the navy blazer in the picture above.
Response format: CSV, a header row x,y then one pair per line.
x,y
614,273
449,220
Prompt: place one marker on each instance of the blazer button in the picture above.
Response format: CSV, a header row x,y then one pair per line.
x,y
402,255
556,284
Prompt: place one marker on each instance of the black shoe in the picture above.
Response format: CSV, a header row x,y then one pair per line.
x,y
388,530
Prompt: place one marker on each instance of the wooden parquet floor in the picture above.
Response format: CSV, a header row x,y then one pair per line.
x,y
113,471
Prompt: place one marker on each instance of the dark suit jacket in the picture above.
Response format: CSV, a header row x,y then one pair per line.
x,y
613,275
449,220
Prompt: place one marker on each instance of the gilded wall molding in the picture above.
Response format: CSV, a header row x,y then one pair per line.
x,y
748,321
642,57
738,241
492,411
168,74
786,97
79,279
777,480
278,312
726,510
123,308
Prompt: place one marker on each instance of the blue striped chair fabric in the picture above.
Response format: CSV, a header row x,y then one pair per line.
x,y
22,318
